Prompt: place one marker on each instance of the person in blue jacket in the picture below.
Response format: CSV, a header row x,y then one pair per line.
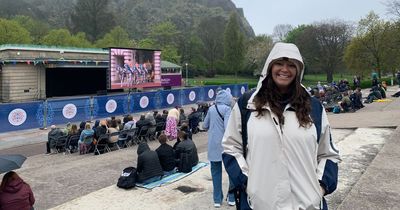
x,y
215,122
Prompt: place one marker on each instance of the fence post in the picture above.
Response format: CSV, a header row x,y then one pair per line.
x,y
45,114
91,107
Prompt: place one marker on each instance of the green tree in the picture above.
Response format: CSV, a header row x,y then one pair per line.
x,y
164,34
117,37
257,52
62,37
13,33
372,35
36,28
92,17
322,45
210,31
234,49
146,44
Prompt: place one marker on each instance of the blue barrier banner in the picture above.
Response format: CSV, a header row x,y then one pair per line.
x,y
111,105
70,110
19,116
190,96
171,98
143,101
209,93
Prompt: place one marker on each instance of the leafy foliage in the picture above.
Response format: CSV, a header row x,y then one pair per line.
x,y
13,33
92,17
233,46
117,37
62,37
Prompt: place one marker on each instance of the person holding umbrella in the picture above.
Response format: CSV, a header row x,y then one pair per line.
x,y
15,193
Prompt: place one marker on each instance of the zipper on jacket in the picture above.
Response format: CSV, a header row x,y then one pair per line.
x,y
276,123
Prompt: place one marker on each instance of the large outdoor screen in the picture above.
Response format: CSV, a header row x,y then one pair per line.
x,y
134,68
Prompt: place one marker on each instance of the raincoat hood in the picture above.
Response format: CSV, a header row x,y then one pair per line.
x,y
14,186
280,50
143,147
223,97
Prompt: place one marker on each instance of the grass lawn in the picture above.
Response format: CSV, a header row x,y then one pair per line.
x,y
308,80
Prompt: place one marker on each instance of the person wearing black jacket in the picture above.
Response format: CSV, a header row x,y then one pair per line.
x,y
166,155
148,165
187,146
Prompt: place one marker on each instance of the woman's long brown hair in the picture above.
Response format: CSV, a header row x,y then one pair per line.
x,y
297,96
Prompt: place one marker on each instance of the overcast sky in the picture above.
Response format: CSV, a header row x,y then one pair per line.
x,y
264,15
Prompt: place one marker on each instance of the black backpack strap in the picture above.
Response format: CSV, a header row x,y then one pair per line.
x,y
219,113
245,115
316,115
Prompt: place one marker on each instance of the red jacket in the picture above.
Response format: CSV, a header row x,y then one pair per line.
x,y
17,195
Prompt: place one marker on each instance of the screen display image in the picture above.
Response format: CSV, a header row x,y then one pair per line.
x,y
134,68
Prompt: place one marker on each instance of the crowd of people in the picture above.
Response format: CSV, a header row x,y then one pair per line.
x,y
343,97
87,137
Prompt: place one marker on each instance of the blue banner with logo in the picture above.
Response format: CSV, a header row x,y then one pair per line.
x,y
20,116
69,110
111,105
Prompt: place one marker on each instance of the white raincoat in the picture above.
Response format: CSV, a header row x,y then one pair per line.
x,y
286,165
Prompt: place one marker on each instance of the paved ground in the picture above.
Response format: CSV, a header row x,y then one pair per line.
x,y
86,182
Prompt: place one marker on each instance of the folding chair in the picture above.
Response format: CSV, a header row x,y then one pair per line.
x,y
159,128
131,137
72,143
102,144
142,134
151,133
123,139
60,144
111,142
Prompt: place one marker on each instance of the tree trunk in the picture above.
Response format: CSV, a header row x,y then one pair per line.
x,y
329,76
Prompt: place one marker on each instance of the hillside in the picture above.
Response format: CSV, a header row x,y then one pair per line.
x,y
135,16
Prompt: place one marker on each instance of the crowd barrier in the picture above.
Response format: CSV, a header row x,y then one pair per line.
x,y
41,114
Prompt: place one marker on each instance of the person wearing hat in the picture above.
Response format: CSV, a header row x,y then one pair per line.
x,y
290,160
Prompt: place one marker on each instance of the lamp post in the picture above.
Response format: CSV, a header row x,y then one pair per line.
x,y
186,82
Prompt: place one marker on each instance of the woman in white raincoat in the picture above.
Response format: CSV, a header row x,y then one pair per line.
x,y
290,160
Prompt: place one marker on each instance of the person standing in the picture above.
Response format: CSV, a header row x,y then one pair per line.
x,y
215,122
290,160
171,128
15,194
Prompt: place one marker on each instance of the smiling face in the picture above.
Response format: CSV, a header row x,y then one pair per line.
x,y
283,73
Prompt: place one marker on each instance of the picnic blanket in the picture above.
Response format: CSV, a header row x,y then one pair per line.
x,y
172,178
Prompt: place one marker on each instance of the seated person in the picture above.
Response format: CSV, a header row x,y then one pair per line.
x,y
52,138
113,129
166,155
345,104
187,146
185,128
142,122
194,119
85,146
130,123
182,116
148,165
375,94
71,146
